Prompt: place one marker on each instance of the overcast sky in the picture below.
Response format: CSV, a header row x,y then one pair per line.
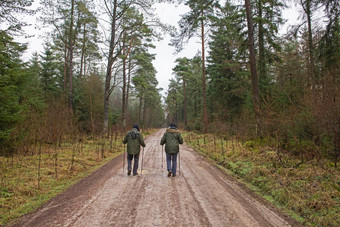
x,y
165,58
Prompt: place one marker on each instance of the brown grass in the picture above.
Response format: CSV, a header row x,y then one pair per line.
x,y
21,190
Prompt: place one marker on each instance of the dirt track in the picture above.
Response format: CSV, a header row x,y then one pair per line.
x,y
200,196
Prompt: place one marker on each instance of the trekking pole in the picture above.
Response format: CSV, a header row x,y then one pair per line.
x,y
162,156
124,159
179,166
141,168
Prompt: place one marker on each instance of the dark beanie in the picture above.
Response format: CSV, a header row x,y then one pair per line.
x,y
173,126
136,126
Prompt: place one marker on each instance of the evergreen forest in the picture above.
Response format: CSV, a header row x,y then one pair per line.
x,y
251,82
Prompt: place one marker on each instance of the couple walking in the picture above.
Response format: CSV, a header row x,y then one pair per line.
x,y
171,138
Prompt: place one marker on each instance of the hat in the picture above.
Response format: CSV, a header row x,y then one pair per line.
x,y
136,126
172,125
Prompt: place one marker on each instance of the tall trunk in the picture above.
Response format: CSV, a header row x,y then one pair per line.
x,y
65,68
82,60
85,65
108,76
151,120
128,88
70,69
205,114
252,58
144,114
262,61
185,103
91,113
124,85
177,112
140,108
310,38
195,106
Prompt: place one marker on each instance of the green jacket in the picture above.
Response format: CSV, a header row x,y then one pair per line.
x,y
134,140
171,138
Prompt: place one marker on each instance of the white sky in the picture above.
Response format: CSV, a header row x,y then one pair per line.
x,y
165,59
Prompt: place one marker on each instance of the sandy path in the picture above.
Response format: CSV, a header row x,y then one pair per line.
x,y
200,196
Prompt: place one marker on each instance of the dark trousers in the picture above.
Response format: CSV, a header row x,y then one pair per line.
x,y
135,163
171,162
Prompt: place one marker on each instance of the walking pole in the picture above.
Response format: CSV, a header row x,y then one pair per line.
x,y
162,156
179,166
124,159
141,168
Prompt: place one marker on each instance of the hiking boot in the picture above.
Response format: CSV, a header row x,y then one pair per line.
x,y
169,174
129,172
174,174
135,174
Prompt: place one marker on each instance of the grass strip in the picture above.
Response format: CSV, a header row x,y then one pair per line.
x,y
306,190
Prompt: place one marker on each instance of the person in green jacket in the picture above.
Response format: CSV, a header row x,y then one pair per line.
x,y
134,140
171,138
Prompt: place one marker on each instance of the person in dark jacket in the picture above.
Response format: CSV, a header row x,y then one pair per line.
x,y
134,140
171,138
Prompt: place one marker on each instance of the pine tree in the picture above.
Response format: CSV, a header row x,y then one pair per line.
x,y
267,20
329,46
309,6
9,11
182,71
227,80
19,92
11,83
51,79
252,59
144,80
174,102
192,107
192,22
66,18
135,37
88,39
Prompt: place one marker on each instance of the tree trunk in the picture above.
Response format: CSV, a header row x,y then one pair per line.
x,y
195,106
128,88
310,39
205,114
140,108
252,58
108,76
91,113
185,103
144,114
65,68
124,85
177,112
70,69
262,62
82,60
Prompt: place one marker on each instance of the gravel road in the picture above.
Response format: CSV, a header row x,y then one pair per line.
x,y
201,195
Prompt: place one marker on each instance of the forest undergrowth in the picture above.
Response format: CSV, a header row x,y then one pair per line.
x,y
30,179
308,190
